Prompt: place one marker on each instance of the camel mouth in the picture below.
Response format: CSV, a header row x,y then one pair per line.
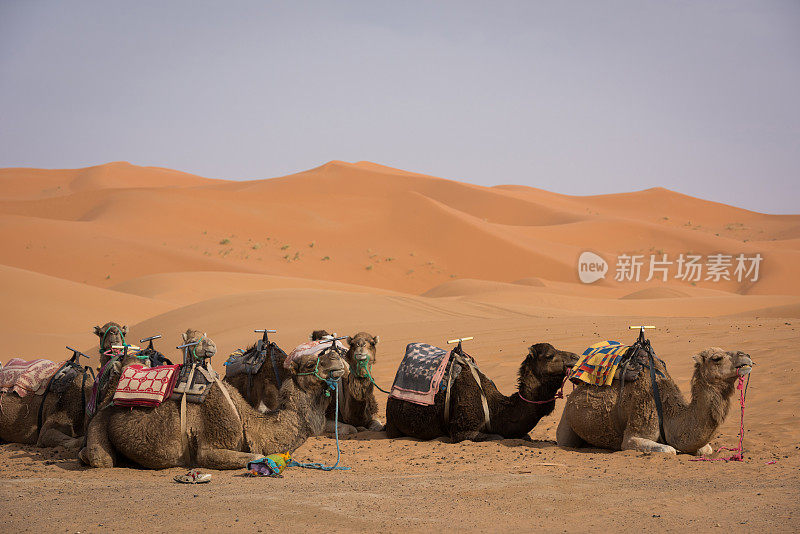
x,y
744,369
336,373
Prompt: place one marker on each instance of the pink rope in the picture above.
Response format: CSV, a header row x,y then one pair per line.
x,y
559,394
738,451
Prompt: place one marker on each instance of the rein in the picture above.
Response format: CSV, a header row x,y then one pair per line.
x,y
559,393
366,365
738,451
332,384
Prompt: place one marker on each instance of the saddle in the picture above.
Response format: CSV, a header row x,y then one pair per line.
x,y
249,362
145,386
65,376
24,377
604,362
420,374
195,380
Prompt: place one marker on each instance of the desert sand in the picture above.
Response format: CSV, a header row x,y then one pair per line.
x,y
410,257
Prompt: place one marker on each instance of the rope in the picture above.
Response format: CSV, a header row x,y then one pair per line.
x,y
738,451
332,384
559,394
366,364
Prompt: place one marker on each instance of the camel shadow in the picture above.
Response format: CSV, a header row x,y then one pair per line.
x,y
551,445
58,456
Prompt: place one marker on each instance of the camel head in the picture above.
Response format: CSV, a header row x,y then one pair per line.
x,y
205,349
362,353
110,334
716,365
545,363
318,335
312,370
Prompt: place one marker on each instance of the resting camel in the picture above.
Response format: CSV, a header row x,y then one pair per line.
x,y
603,417
540,376
62,415
357,404
101,453
223,434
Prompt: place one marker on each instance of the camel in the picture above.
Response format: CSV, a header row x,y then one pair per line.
x,y
225,434
540,376
62,416
101,453
607,418
357,404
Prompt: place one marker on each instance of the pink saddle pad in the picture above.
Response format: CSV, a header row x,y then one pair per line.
x,y
25,377
145,386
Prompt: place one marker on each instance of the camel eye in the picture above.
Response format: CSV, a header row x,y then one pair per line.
x,y
716,358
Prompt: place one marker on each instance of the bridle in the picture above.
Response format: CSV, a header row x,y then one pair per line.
x,y
109,329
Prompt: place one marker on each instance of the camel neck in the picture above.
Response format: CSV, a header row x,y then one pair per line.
x,y
300,415
357,388
513,417
691,425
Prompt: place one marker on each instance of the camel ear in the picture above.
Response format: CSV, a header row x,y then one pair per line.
x,y
185,337
292,364
377,339
311,336
98,331
125,330
205,335
349,340
698,358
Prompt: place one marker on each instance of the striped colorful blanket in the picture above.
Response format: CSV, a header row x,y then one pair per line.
x,y
420,374
25,377
598,363
145,386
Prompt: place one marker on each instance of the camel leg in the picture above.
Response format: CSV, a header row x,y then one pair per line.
x,y
565,436
705,450
646,445
212,458
53,437
98,451
344,428
375,425
391,430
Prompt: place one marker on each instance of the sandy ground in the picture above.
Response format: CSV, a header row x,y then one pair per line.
x,y
410,258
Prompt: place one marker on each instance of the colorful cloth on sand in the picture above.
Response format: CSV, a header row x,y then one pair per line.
x,y
598,363
420,374
145,386
310,347
269,466
25,377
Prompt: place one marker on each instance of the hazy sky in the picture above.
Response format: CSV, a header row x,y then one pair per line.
x,y
575,97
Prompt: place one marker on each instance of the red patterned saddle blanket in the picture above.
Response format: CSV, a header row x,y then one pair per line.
x,y
25,377
145,386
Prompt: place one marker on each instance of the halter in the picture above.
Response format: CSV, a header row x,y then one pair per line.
x,y
193,345
330,381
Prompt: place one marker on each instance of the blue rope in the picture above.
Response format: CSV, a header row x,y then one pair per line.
x,y
334,385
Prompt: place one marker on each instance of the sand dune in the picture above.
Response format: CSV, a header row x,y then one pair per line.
x,y
377,227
